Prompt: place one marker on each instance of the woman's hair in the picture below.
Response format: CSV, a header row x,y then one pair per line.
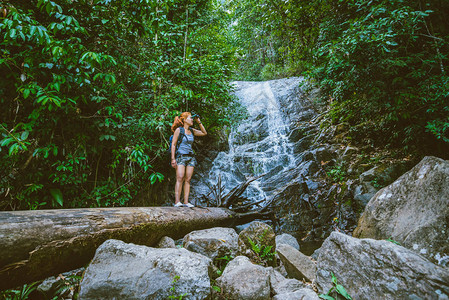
x,y
179,121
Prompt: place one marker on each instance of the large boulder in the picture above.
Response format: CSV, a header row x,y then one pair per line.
x,y
296,264
243,280
413,210
213,243
372,269
128,271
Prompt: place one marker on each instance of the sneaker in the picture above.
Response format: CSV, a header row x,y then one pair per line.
x,y
189,205
179,204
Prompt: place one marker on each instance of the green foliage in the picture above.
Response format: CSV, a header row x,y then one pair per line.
x,y
173,290
21,294
222,262
337,173
393,241
89,90
381,65
264,254
337,289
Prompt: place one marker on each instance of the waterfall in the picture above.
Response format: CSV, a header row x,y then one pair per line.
x,y
259,144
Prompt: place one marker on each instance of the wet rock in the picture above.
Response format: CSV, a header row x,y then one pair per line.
x,y
213,243
298,265
166,242
128,271
325,153
372,269
260,233
287,239
414,210
242,280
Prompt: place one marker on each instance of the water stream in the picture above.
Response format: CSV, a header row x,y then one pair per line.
x,y
260,143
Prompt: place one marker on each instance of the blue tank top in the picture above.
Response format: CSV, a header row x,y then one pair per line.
x,y
186,144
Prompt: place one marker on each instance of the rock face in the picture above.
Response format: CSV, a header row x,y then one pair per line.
x,y
243,280
414,210
298,265
372,269
128,271
213,242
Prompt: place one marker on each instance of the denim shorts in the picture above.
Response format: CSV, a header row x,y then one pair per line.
x,y
186,160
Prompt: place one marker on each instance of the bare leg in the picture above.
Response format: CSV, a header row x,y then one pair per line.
x,y
180,170
188,176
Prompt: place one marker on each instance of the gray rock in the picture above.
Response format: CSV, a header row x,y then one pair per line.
x,y
260,233
298,265
364,192
372,269
315,254
213,242
128,271
282,285
166,242
243,280
413,210
287,239
301,294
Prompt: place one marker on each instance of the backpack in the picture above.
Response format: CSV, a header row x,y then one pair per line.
x,y
182,134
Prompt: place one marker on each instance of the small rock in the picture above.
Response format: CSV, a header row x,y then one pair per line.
x,y
287,239
213,243
166,242
243,280
298,265
301,294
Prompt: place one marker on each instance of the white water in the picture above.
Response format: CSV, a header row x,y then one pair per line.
x,y
259,144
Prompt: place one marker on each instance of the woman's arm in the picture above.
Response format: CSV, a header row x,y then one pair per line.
x,y
173,146
197,132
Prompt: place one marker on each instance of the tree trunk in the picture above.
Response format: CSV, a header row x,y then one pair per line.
x,y
37,244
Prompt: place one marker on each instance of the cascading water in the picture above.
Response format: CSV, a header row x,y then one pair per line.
x,y
259,144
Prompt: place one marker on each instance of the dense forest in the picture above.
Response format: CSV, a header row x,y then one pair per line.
x,y
89,88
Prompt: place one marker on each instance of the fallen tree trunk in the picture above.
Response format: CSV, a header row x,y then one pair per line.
x,y
37,244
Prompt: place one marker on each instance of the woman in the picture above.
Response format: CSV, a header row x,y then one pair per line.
x,y
182,157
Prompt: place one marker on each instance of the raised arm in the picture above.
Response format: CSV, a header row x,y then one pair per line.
x,y
201,132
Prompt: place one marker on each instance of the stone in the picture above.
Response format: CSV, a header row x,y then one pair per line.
x,y
298,265
282,285
127,271
413,210
213,243
243,280
166,242
363,193
301,294
260,233
287,239
373,269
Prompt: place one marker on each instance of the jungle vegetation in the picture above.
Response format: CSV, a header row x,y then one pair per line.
x,y
89,88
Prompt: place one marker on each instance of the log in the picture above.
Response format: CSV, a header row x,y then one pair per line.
x,y
37,244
